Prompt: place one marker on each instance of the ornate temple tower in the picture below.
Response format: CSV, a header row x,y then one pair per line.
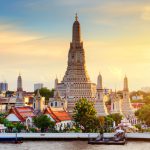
x,y
76,83
19,93
76,70
100,103
127,109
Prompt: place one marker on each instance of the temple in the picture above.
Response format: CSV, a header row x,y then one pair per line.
x,y
76,83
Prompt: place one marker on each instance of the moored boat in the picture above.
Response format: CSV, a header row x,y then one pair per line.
x,y
107,142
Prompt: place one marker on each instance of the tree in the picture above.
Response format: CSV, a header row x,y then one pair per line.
x,y
43,122
116,117
143,114
45,92
9,93
85,116
19,127
6,123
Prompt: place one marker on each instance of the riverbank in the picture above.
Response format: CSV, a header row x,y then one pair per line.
x,y
73,136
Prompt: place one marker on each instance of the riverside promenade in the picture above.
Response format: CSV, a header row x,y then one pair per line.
x,y
72,136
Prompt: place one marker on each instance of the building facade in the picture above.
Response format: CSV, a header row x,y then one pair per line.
x,y
3,86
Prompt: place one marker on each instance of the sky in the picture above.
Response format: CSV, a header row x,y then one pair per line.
x,y
35,37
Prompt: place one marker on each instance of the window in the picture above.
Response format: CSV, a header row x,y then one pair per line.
x,y
34,106
55,104
52,104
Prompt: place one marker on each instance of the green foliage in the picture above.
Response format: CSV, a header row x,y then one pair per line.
x,y
43,122
45,92
147,100
6,123
19,127
116,117
85,116
33,130
138,126
143,114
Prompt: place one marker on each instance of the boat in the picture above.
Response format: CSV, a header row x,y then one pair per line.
x,y
107,142
118,139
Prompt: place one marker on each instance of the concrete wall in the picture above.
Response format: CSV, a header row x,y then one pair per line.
x,y
72,135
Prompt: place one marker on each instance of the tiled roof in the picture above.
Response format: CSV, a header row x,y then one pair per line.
x,y
22,112
137,105
58,114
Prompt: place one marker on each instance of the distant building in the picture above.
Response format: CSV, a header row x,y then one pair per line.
x,y
6,103
38,86
137,97
137,106
3,86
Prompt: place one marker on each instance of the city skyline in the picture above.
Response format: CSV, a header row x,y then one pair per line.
x,y
35,38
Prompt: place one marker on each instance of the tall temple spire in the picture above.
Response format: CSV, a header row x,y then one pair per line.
x,y
76,82
126,83
76,37
99,82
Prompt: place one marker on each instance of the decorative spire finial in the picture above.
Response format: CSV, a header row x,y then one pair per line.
x,y
76,17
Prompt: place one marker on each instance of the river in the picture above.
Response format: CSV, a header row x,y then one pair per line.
x,y
73,145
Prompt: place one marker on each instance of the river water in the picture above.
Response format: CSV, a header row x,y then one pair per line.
x,y
73,145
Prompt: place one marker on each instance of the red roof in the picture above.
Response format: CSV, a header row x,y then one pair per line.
x,y
22,112
58,114
137,105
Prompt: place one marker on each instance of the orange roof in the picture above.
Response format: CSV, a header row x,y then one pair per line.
x,y
22,112
58,114
137,105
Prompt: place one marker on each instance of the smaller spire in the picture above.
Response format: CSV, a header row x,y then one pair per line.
x,y
99,81
76,17
126,83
